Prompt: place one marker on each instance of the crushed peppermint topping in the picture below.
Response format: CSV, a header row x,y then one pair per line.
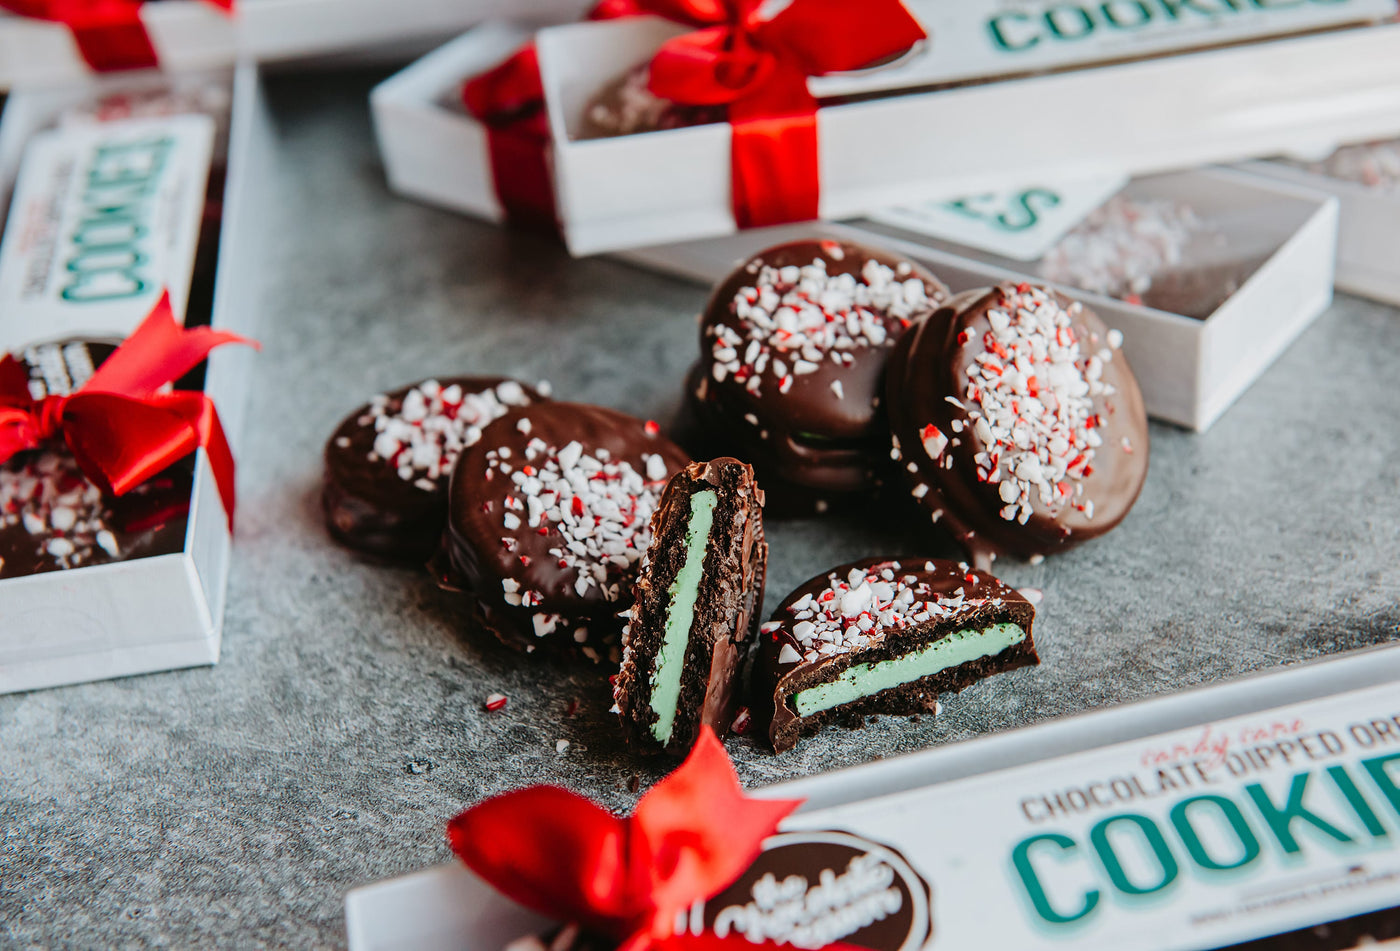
x,y
857,611
796,317
600,509
1373,164
424,434
67,516
1030,399
1124,244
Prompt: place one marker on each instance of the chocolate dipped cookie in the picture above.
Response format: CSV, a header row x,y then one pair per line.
x,y
389,462
549,514
52,517
1017,421
695,608
793,349
885,636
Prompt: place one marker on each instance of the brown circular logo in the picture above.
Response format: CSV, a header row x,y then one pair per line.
x,y
810,889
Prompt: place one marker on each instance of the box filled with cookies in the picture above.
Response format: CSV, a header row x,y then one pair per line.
x,y
1365,179
1215,819
126,260
687,142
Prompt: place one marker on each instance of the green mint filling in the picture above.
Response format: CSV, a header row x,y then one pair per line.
x,y
863,680
680,612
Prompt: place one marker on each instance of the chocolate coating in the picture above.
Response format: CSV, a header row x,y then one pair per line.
x,y
726,613
52,517
368,503
801,401
787,664
532,584
931,364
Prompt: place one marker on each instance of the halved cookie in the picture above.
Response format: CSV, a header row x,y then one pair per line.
x,y
885,636
696,608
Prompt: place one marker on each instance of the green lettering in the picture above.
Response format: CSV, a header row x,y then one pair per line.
x,y
1140,9
1002,40
1181,821
1151,835
1281,819
1027,201
1173,8
1021,860
1078,16
1358,802
1376,767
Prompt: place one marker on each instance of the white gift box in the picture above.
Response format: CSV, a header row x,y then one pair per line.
x,y
1368,233
957,812
1190,369
1138,116
192,34
164,611
433,149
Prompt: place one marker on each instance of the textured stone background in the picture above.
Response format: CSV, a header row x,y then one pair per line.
x,y
235,806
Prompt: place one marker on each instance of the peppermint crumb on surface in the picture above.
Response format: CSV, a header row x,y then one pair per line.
x,y
599,508
857,611
743,721
561,746
423,435
496,701
795,318
1033,595
1029,398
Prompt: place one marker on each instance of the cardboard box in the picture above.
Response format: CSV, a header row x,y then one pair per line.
x,y
1137,116
971,800
1369,228
1190,370
433,150
163,611
191,34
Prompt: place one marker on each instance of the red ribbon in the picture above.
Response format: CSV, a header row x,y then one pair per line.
x,y
562,855
109,33
121,430
509,100
759,67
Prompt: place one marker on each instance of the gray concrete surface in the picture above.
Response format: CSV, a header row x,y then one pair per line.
x,y
235,806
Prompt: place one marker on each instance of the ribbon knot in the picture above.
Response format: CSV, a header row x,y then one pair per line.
x,y
48,421
122,426
758,66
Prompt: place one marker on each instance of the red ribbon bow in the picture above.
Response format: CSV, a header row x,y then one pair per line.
x,y
758,66
109,33
562,855
118,426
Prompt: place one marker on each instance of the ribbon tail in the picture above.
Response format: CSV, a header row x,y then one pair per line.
x,y
216,449
775,165
520,175
157,352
